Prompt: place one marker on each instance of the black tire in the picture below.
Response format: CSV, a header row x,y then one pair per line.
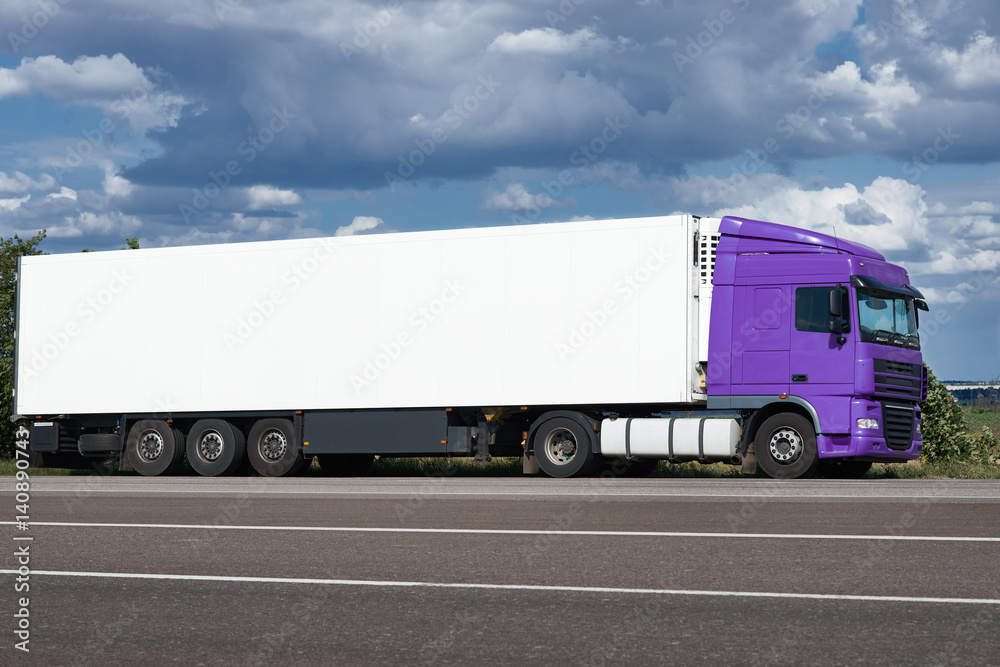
x,y
215,447
629,468
838,469
345,465
786,447
274,450
564,448
154,448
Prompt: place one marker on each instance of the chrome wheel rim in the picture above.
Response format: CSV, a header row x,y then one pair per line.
x,y
150,445
210,446
273,445
560,446
786,445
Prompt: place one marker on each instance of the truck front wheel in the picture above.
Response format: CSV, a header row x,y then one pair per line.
x,y
786,447
273,449
563,448
215,447
154,448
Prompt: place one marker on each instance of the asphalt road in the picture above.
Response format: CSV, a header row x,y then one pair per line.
x,y
506,571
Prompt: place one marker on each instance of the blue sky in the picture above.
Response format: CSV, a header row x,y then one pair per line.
x,y
214,121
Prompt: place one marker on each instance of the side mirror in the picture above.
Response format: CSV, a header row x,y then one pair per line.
x,y
836,310
834,303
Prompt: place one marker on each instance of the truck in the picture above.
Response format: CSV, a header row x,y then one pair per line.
x,y
581,347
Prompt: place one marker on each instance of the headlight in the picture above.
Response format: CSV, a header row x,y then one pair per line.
x,y
867,423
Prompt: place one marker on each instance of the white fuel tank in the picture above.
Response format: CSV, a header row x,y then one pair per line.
x,y
704,439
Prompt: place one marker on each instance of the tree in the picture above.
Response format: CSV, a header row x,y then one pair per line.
x,y
131,243
10,250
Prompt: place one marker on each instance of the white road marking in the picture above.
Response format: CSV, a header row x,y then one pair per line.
x,y
491,531
511,587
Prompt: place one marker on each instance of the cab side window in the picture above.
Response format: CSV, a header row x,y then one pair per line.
x,y
812,311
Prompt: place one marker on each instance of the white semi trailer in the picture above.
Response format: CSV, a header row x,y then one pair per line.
x,y
563,342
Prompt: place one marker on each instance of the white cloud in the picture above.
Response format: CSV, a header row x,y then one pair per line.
x,y
116,186
116,85
977,65
889,214
19,183
517,198
549,41
880,97
268,197
360,223
104,223
979,208
89,78
13,204
64,193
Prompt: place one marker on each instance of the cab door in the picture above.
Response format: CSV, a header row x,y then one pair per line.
x,y
763,333
820,366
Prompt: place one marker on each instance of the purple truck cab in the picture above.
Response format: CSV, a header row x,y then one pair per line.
x,y
810,332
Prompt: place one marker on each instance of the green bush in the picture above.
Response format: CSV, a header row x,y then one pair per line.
x,y
942,425
985,447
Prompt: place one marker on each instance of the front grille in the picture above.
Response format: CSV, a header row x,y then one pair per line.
x,y
889,383
898,368
910,388
897,425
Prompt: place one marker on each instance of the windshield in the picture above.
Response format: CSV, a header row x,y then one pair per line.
x,y
888,319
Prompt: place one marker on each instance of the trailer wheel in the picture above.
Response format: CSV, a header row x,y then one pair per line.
x,y
786,446
215,447
346,465
154,448
563,448
837,469
273,449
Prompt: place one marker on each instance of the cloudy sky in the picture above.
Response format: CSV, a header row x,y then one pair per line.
x,y
208,121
